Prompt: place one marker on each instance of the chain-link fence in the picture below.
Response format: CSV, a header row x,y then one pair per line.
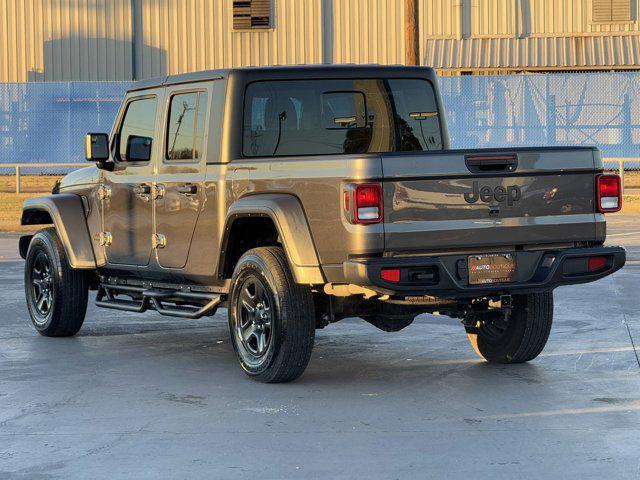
x,y
601,109
46,122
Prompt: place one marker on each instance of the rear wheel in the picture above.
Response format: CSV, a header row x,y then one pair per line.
x,y
271,318
522,337
56,294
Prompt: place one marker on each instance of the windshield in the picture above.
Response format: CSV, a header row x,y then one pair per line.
x,y
323,117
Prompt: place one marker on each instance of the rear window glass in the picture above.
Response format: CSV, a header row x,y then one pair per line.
x,y
321,117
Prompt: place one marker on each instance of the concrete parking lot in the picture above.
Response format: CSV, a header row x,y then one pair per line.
x,y
149,397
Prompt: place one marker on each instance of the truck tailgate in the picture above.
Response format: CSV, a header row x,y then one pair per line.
x,y
461,199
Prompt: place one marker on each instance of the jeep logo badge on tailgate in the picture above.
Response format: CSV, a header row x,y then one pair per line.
x,y
499,194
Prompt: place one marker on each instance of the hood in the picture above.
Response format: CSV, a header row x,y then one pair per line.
x,y
83,176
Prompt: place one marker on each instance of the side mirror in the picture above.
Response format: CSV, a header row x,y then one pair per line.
x,y
96,147
138,148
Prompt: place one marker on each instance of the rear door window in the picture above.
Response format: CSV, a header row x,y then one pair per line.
x,y
185,126
323,117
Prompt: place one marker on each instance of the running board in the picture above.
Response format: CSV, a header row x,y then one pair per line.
x,y
142,299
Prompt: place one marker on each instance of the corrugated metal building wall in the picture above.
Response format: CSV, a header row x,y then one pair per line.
x,y
94,39
368,31
527,35
176,36
48,40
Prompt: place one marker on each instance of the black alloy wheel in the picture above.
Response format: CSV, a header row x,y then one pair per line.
x,y
255,315
42,286
56,294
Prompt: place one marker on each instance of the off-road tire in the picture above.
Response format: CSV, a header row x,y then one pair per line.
x,y
526,333
292,317
67,289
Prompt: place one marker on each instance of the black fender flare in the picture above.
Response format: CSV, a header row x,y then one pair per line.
x,y
289,218
66,212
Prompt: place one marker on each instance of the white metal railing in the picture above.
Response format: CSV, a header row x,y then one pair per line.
x,y
19,166
621,162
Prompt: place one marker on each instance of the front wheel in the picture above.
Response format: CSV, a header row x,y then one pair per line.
x,y
522,337
56,294
271,318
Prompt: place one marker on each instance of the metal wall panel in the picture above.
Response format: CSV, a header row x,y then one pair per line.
x,y
485,36
46,40
517,18
573,17
537,53
53,40
440,19
92,39
176,36
368,31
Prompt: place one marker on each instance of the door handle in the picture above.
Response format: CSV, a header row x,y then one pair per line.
x,y
491,163
188,189
142,191
158,191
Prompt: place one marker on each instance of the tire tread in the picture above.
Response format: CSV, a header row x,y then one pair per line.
x,y
72,288
525,341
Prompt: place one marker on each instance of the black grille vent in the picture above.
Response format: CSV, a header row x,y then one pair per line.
x,y
251,14
611,11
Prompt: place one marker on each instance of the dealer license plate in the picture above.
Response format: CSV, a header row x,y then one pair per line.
x,y
491,268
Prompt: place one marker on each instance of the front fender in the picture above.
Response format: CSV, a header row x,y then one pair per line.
x,y
66,212
288,216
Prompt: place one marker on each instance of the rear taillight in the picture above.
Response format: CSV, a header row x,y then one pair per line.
x,y
363,203
390,274
609,192
596,263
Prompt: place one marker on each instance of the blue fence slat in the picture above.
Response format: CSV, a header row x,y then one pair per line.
x,y
601,109
46,122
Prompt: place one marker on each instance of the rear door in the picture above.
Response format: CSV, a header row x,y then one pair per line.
x,y
179,183
482,199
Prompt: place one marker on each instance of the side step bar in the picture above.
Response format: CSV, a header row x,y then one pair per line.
x,y
143,299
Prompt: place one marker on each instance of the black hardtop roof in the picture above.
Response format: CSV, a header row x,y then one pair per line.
x,y
286,72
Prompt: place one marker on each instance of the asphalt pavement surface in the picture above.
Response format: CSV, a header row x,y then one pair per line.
x,y
143,396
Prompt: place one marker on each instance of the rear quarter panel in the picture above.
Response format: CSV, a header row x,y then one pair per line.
x,y
317,181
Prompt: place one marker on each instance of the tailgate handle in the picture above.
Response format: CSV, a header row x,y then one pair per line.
x,y
491,163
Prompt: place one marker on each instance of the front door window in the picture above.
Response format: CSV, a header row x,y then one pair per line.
x,y
137,130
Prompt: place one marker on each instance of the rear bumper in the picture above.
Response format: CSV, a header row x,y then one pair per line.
x,y
447,276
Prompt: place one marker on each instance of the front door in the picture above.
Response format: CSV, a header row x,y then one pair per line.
x,y
179,187
126,191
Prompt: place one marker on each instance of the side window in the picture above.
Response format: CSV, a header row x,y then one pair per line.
x,y
185,127
135,139
416,116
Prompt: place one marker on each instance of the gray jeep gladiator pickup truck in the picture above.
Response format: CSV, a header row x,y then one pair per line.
x,y
298,196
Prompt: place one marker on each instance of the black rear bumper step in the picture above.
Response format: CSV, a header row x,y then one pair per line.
x,y
142,299
538,271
